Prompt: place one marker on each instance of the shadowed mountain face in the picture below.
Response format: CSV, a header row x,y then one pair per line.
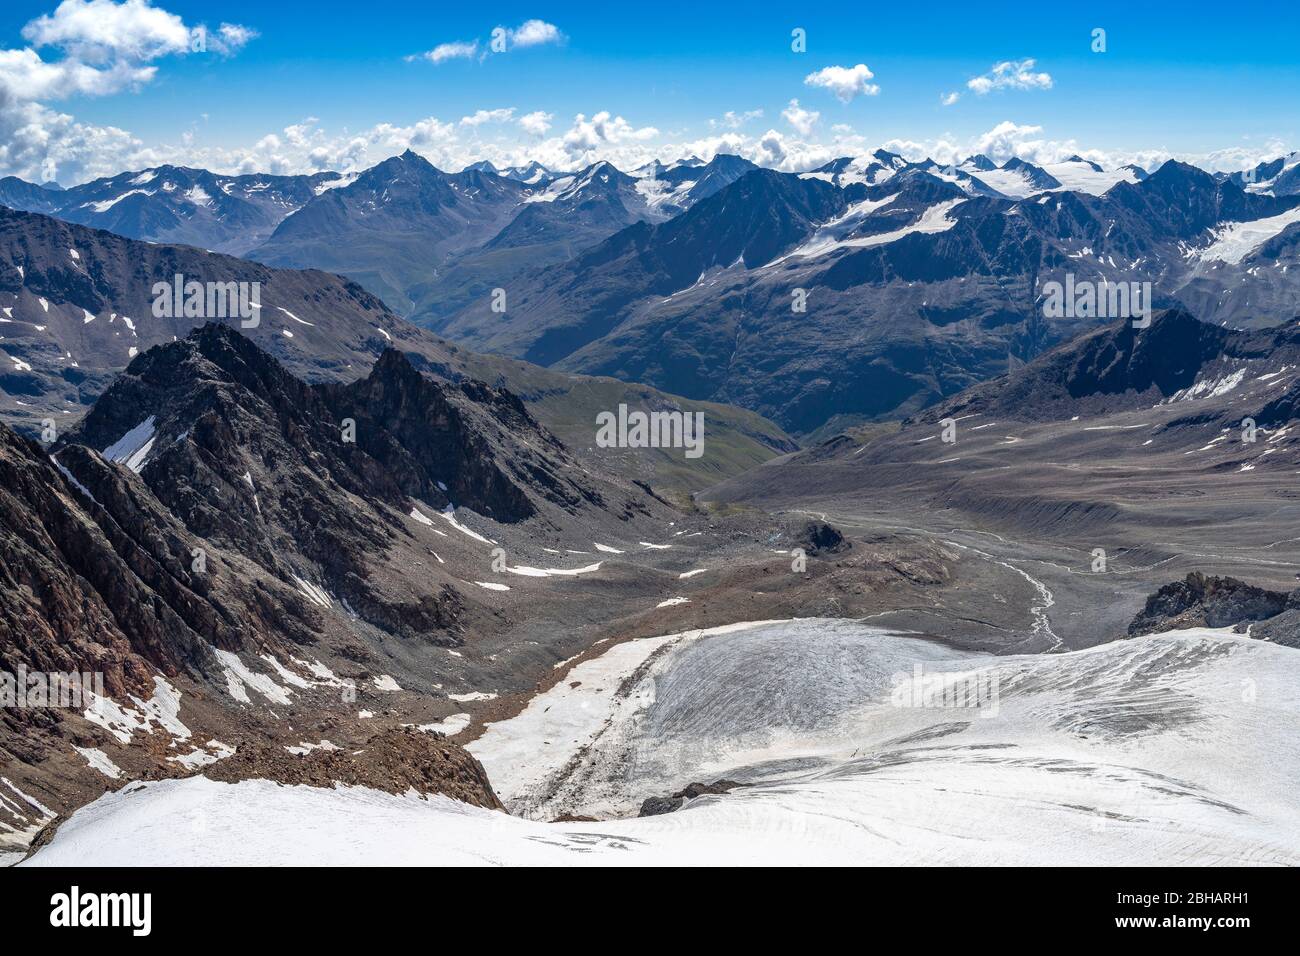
x,y
821,305
1120,368
244,453
78,306
430,242
396,225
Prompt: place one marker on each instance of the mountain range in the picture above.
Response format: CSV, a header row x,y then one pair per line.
x,y
78,307
865,289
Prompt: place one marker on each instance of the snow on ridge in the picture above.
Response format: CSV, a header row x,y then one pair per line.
x,y
294,317
932,220
1208,388
162,708
345,179
98,760
315,593
133,448
448,726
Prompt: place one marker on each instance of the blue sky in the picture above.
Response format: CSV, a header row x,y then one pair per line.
x,y
1193,83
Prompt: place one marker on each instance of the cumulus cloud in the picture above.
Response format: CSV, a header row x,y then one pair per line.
x,y
801,119
488,116
586,137
99,30
97,48
536,123
534,33
230,38
846,82
1010,75
949,98
455,50
734,120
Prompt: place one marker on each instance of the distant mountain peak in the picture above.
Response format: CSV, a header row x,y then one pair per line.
x,y
979,161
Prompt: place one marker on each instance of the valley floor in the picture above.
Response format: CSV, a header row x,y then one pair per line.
x,y
841,743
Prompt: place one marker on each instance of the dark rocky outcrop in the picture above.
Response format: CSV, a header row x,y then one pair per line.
x,y
656,806
1206,601
819,538
1283,628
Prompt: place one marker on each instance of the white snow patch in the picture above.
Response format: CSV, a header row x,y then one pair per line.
x,y
1235,241
449,515
448,726
305,747
98,760
133,448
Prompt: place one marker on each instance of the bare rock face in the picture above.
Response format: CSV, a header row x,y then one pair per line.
x,y
213,505
69,600
1284,628
395,761
1205,601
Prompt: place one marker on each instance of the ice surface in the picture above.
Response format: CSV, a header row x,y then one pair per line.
x,y
1178,748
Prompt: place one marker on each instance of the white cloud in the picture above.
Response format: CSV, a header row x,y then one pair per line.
x,y
801,119
534,33
536,123
846,82
1002,142
100,47
1010,75
488,116
949,98
586,137
98,30
456,50
527,34
230,38
734,120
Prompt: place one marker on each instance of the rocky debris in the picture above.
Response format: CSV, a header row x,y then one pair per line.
x,y
818,537
655,806
395,761
1206,601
